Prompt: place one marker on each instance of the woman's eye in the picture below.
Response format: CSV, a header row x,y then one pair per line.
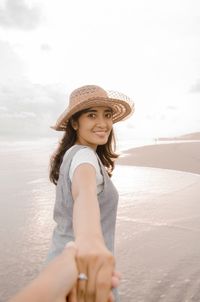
x,y
109,115
92,115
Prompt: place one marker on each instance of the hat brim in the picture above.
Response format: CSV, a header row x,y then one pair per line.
x,y
121,110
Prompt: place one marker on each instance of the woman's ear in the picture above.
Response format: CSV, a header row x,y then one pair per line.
x,y
74,124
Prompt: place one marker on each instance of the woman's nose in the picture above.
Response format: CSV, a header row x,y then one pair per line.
x,y
101,121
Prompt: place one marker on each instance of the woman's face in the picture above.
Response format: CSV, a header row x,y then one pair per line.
x,y
94,126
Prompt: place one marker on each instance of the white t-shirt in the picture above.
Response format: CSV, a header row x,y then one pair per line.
x,y
87,155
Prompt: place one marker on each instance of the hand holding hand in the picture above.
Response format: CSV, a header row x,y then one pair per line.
x,y
96,263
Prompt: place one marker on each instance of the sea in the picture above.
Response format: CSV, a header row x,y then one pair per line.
x,y
27,200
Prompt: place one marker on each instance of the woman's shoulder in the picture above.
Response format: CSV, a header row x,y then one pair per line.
x,y
80,151
85,153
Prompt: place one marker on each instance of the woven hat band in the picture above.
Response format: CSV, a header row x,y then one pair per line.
x,y
85,93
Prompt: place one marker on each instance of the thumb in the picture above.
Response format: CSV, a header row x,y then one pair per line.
x,y
70,248
70,244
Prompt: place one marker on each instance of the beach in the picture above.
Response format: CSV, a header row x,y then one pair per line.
x,y
176,156
158,224
158,247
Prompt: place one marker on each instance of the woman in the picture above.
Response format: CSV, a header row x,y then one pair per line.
x,y
86,199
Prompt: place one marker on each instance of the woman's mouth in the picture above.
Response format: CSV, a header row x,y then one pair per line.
x,y
101,133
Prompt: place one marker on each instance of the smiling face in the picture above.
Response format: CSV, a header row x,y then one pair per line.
x,y
94,126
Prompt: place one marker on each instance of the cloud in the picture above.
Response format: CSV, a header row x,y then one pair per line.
x,y
11,66
195,88
17,14
3,109
17,115
29,110
170,107
45,47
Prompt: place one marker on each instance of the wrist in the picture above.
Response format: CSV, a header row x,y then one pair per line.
x,y
94,237
90,239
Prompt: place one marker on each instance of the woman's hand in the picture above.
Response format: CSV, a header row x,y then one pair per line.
x,y
97,263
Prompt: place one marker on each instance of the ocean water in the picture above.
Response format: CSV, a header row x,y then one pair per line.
x,y
27,200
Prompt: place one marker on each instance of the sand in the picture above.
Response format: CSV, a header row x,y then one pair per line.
x,y
158,245
157,237
175,156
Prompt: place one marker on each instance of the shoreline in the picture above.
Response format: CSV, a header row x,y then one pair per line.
x,y
174,156
157,238
157,246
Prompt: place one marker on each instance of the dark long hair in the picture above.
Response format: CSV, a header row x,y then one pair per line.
x,y
105,152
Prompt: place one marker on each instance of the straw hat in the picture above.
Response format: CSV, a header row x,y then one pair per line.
x,y
92,96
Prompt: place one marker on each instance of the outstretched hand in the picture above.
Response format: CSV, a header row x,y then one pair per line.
x,y
96,263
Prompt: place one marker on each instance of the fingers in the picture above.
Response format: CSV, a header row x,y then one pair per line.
x,y
111,297
72,297
81,284
117,274
103,283
115,282
116,277
91,284
81,290
68,254
97,263
71,246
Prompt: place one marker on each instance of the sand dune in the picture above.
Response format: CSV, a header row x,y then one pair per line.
x,y
176,156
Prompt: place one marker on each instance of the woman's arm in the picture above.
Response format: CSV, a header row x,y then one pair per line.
x,y
93,258
86,214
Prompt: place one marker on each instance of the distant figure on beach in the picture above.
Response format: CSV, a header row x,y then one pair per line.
x,y
86,199
54,283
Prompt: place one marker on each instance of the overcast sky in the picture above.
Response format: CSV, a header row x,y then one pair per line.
x,y
147,49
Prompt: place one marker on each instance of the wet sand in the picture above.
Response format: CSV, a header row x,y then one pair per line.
x,y
158,225
157,245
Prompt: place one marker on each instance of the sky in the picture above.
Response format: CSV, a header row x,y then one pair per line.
x,y
146,49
